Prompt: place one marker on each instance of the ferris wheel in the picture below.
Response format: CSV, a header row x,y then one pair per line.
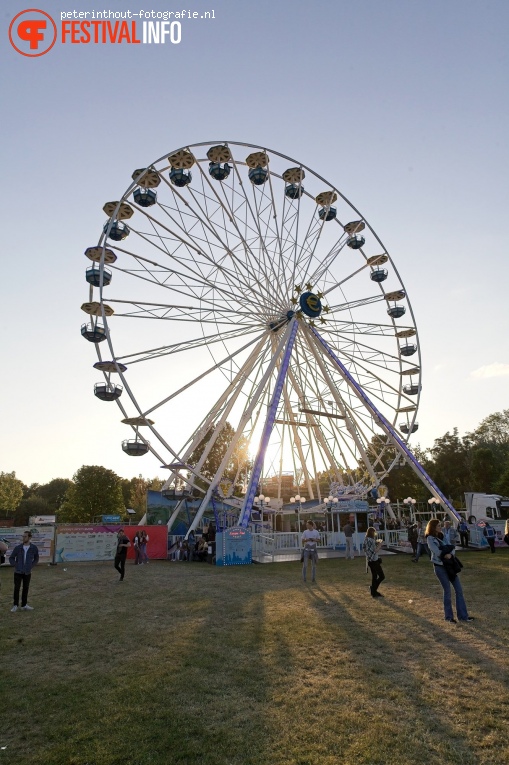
x,y
233,286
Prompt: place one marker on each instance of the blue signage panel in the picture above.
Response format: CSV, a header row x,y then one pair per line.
x,y
233,547
111,519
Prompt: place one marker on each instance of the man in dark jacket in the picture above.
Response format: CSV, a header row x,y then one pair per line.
x,y
122,544
24,557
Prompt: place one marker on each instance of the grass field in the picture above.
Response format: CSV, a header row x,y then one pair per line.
x,y
186,663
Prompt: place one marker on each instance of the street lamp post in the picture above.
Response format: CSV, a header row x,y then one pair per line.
x,y
410,503
433,503
381,502
331,504
298,501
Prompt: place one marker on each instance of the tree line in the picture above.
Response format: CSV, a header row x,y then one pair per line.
x,y
93,491
477,461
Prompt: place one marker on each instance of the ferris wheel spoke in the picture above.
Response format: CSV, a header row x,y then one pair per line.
x,y
200,259
307,249
184,345
363,328
313,423
219,413
252,262
339,284
228,214
310,379
266,211
221,245
369,349
255,224
321,275
350,305
327,262
255,355
170,312
335,394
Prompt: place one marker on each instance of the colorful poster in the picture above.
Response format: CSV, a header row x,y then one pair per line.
x,y
233,547
42,537
82,542
78,543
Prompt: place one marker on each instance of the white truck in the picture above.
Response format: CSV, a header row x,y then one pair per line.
x,y
488,507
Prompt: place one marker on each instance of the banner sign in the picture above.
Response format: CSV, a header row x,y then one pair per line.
x,y
80,542
233,547
75,542
41,537
111,519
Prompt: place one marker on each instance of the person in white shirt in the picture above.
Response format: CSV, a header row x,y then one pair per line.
x,y
310,539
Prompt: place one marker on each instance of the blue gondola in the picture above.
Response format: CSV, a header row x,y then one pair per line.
x,y
397,311
134,448
258,175
218,171
408,350
93,333
107,391
145,197
93,276
356,242
118,231
294,190
180,177
327,213
379,275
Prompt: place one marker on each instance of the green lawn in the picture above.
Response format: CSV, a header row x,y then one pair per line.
x,y
186,663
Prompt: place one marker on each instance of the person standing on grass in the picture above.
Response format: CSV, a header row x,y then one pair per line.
x,y
24,557
440,554
371,546
490,534
122,544
348,532
143,547
137,548
422,547
310,539
464,533
412,538
450,534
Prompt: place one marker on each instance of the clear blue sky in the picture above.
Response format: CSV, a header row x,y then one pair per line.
x,y
401,104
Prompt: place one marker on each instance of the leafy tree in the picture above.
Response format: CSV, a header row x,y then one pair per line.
x,y
485,469
96,491
502,486
33,505
451,465
53,492
239,465
494,429
11,492
134,492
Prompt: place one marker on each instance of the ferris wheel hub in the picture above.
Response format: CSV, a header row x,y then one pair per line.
x,y
310,304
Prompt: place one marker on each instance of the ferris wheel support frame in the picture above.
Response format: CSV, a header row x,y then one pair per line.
x,y
245,512
388,429
260,391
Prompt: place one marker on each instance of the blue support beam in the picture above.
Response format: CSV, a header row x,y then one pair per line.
x,y
388,429
245,513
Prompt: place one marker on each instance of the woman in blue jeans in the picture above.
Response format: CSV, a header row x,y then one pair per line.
x,y
436,548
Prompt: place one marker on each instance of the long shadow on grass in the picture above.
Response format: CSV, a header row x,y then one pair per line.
x,y
451,636
192,688
395,702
